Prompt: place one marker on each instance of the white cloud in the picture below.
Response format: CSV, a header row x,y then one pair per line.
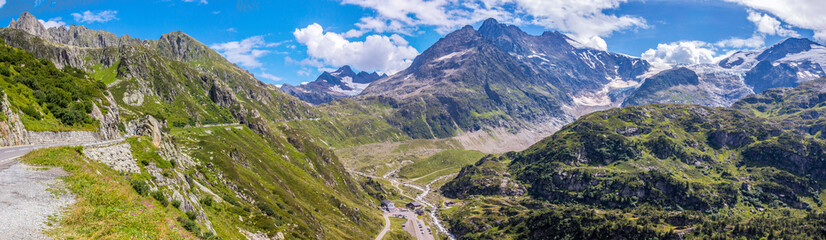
x,y
375,53
199,1
685,52
231,30
270,77
52,23
305,62
807,14
584,20
245,52
770,25
91,17
2,3
755,41
303,72
353,33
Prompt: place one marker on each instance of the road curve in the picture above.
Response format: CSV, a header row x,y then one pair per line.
x,y
386,227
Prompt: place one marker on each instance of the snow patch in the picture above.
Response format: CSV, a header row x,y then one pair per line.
x,y
601,97
453,55
355,88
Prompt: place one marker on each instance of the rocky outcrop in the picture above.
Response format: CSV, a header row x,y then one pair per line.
x,y
110,120
12,130
147,126
118,157
221,94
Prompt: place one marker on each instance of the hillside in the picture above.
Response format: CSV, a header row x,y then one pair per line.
x,y
662,171
192,134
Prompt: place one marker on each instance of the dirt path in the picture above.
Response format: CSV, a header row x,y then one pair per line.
x,y
26,201
30,196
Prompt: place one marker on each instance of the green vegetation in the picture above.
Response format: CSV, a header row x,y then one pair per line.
x,y
145,152
655,171
380,158
107,207
50,99
488,176
104,74
396,232
443,160
299,188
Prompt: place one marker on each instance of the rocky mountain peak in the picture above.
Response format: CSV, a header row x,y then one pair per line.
x,y
28,23
179,45
345,71
786,47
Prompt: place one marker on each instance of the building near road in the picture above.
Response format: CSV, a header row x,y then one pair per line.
x,y
414,205
388,205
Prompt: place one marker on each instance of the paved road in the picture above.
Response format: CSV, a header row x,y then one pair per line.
x,y
414,226
386,227
395,182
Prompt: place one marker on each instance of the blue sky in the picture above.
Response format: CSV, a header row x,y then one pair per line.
x,y
293,41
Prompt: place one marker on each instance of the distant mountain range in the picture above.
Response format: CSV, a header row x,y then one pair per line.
x,y
330,86
785,64
499,77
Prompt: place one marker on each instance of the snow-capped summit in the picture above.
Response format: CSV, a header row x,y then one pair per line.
x,y
785,64
329,86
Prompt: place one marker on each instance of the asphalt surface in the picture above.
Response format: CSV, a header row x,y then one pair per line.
x,y
386,227
415,226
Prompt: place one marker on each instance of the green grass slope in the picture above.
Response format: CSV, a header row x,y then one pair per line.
x,y
656,171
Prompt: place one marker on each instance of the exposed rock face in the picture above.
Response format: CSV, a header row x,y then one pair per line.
x,y
331,86
118,157
221,94
76,35
147,126
12,130
110,121
661,82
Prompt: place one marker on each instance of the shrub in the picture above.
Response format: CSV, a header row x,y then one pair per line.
x,y
189,225
158,195
140,186
207,200
231,200
266,209
176,203
191,215
31,112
